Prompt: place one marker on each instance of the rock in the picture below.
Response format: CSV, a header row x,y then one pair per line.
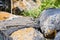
x,y
3,36
50,21
57,37
17,21
52,24
4,15
14,22
26,4
27,34
46,13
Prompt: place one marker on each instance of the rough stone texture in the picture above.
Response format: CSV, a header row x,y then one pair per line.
x,y
46,13
9,20
26,4
17,21
19,6
4,36
57,37
4,15
50,21
53,22
27,34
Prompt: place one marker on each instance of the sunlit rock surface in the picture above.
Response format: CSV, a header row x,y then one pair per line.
x,y
4,15
27,34
25,4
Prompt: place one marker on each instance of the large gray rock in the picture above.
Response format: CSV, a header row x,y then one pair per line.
x,y
46,13
50,21
17,21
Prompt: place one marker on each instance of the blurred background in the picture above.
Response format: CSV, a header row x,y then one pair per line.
x,y
31,8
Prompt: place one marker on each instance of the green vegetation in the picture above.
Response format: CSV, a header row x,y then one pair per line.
x,y
50,4
44,5
32,13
